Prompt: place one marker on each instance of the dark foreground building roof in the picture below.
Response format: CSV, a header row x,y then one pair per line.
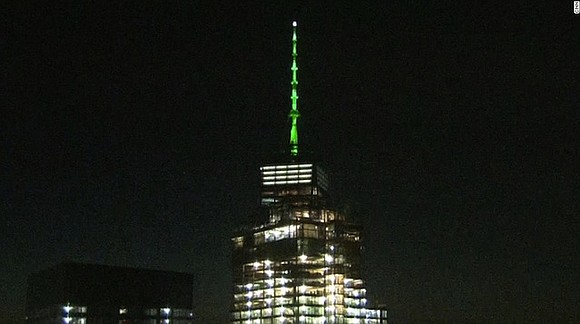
x,y
89,293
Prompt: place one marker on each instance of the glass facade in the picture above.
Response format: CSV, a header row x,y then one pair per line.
x,y
302,265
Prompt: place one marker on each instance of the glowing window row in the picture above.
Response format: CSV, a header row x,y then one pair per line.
x,y
307,310
355,302
285,172
275,234
261,317
269,183
284,232
285,167
286,177
305,301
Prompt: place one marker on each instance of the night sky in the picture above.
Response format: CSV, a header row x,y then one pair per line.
x,y
132,132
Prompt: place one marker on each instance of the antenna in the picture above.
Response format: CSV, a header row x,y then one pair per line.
x,y
294,114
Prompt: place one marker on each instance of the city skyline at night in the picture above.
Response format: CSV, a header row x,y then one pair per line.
x,y
132,134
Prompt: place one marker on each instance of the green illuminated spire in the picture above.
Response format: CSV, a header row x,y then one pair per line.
x,y
294,114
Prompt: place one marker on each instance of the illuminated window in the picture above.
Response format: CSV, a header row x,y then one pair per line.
x,y
310,230
238,242
259,238
280,233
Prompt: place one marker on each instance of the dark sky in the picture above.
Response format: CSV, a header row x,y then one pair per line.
x,y
131,134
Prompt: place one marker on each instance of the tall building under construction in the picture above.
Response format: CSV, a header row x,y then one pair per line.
x,y
302,263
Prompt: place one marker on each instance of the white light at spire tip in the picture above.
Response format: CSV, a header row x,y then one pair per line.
x,y
294,23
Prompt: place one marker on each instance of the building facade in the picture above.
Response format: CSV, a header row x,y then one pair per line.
x,y
302,263
75,293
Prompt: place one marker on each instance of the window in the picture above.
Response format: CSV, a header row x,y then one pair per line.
x,y
259,238
280,233
238,242
310,230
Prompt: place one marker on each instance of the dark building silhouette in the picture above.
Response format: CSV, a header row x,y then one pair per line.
x,y
301,261
76,293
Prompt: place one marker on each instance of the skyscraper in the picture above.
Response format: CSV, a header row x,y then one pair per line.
x,y
302,264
